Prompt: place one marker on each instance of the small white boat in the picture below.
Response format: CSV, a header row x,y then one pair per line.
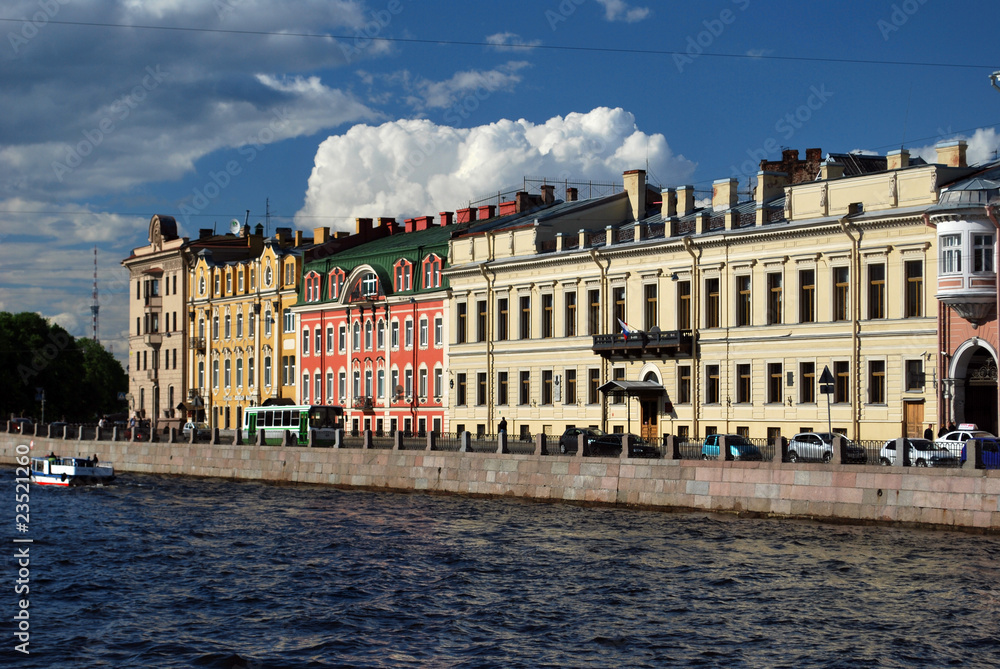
x,y
55,470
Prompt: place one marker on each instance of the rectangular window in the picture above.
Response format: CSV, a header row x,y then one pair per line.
x,y
438,331
408,382
394,335
711,384
914,272
684,384
423,332
570,395
743,300
651,316
951,254
547,386
711,303
481,388
982,253
438,382
502,396
774,379
480,320
593,312
618,374
876,291
547,316
318,348
422,383
684,305
807,382
408,334
743,384
524,391
267,371
841,382
460,323
460,398
329,339
570,314
876,382
774,298
503,319
342,386
618,299
807,296
841,285
914,376
593,383
525,317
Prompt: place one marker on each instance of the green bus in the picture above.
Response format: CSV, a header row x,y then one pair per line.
x,y
273,421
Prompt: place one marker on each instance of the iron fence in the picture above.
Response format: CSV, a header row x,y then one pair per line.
x,y
484,443
448,441
352,439
383,441
688,448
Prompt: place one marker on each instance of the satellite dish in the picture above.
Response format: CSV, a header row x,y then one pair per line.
x,y
234,226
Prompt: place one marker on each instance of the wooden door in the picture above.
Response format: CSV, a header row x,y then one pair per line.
x,y
913,419
650,431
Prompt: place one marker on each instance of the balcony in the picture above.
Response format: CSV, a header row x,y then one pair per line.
x,y
196,343
151,374
152,338
652,344
364,403
153,303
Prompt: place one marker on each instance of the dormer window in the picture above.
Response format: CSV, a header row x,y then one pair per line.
x,y
432,272
336,281
403,275
369,284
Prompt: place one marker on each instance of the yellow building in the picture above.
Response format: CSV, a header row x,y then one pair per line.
x,y
715,319
243,338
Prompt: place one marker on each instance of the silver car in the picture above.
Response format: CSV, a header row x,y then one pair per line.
x,y
811,446
923,453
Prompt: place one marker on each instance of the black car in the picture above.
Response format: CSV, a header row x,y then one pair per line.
x,y
568,440
611,444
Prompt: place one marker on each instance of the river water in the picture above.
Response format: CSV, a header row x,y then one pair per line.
x,y
181,572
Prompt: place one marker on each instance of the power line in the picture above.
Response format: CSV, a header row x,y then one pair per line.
x,y
548,47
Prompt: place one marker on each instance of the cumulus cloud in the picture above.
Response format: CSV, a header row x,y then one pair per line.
x,y
982,147
619,10
507,41
414,167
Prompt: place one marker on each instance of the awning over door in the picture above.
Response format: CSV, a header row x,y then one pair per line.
x,y
622,388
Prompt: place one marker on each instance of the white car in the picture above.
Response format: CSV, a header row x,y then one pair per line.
x,y
955,440
201,430
923,453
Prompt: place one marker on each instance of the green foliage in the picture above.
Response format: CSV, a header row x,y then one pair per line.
x,y
81,379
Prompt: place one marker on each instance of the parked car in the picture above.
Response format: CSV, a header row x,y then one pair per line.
x,y
201,430
22,425
923,453
611,444
991,452
739,447
568,440
819,446
955,440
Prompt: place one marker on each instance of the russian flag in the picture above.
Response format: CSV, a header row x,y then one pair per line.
x,y
626,330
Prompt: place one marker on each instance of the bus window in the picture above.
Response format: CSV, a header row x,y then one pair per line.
x,y
266,417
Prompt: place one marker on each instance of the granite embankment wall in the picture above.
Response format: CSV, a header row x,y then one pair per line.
x,y
966,498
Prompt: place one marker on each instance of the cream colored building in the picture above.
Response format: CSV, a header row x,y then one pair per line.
x,y
735,310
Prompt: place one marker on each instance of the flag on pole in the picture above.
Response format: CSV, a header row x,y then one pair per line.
x,y
626,330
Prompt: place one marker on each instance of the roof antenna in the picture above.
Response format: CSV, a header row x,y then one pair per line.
x,y
267,217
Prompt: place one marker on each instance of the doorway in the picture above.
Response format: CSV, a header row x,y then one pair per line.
x,y
650,419
913,419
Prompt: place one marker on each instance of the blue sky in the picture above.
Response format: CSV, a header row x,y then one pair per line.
x,y
240,101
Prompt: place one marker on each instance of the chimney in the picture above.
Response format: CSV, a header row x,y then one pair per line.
x,y
363,226
283,235
952,153
831,169
487,211
668,207
408,225
523,202
572,195
204,233
447,217
467,215
423,222
770,185
635,186
548,194
724,194
386,222
298,238
898,159
321,235
507,208
685,200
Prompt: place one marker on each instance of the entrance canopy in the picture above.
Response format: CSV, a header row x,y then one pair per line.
x,y
622,388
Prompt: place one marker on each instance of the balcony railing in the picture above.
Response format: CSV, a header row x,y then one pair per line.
x,y
153,303
654,343
152,338
196,343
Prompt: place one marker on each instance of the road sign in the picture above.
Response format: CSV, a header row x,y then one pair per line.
x,y
826,376
826,389
121,397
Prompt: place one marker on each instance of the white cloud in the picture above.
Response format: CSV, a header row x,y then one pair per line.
x,y
415,167
422,94
982,147
619,10
504,42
